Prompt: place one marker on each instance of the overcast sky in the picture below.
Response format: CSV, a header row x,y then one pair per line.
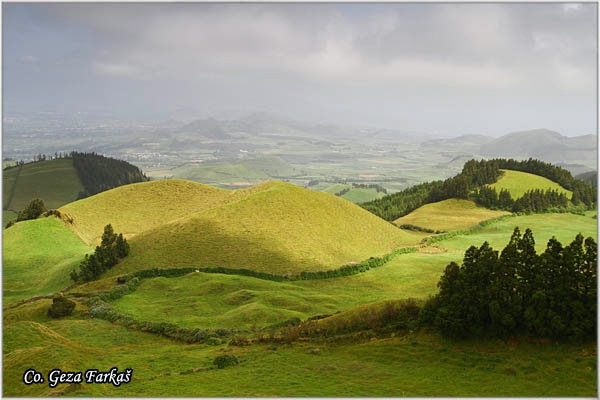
x,y
440,68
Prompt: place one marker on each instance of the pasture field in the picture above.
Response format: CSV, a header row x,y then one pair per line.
x,y
358,195
449,215
517,183
422,364
278,228
213,300
54,181
251,171
37,257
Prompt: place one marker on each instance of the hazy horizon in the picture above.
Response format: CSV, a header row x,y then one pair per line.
x,y
446,69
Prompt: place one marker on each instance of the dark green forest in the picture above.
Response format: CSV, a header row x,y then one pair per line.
x,y
98,173
518,291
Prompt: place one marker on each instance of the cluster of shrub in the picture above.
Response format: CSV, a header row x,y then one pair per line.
x,y
552,294
112,248
415,228
391,316
350,269
35,208
475,175
353,269
378,188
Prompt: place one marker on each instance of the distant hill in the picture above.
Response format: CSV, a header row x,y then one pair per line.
x,y
209,128
590,178
54,181
545,145
273,227
517,183
63,180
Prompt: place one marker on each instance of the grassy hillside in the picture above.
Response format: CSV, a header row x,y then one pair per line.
x,y
449,215
37,257
54,181
277,227
214,300
517,183
414,365
139,207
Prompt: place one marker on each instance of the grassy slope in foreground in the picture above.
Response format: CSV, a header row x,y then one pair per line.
x,y
449,215
138,207
277,228
54,181
37,257
517,183
423,365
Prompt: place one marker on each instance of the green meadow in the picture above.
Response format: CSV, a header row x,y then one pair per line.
x,y
38,256
55,181
278,228
517,183
449,215
416,364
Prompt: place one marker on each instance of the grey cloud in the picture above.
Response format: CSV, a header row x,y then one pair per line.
x,y
343,57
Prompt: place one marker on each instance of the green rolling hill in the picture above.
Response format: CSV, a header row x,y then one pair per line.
x,y
278,228
54,181
136,208
517,183
275,227
449,215
38,256
63,180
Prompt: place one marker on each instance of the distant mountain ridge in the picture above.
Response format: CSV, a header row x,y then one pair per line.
x,y
543,144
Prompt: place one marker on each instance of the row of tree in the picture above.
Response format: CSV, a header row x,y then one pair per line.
x,y
112,248
535,200
552,294
472,180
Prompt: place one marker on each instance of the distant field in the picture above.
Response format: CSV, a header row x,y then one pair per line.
x,y
357,195
252,171
449,215
54,181
517,183
37,257
8,216
274,227
354,195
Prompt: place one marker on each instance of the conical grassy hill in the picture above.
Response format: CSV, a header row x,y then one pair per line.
x,y
274,227
136,208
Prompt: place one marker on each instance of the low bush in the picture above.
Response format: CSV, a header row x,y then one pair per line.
x,y
226,360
